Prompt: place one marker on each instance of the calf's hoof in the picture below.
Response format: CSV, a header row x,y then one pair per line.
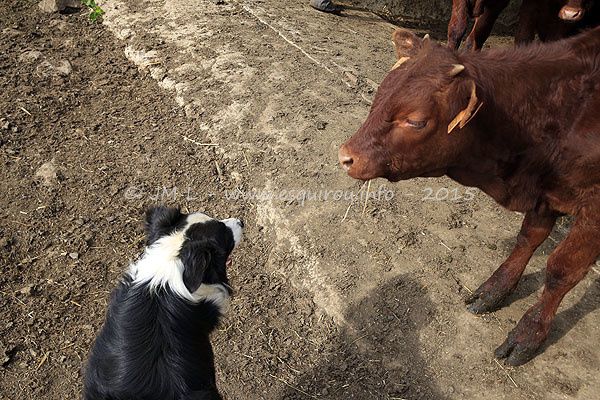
x,y
482,302
488,297
516,352
524,341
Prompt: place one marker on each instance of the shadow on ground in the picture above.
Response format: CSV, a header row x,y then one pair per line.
x,y
569,318
381,357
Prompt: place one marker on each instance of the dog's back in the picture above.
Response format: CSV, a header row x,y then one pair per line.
x,y
153,346
155,341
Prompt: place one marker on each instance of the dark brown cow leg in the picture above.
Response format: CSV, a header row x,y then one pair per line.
x,y
526,26
536,227
458,23
567,265
484,24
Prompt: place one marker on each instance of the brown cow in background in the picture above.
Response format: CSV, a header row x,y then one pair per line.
x,y
485,13
521,124
549,19
555,19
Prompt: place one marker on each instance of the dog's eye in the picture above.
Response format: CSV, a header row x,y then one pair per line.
x,y
416,124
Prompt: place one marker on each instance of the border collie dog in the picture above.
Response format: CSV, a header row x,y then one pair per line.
x,y
155,341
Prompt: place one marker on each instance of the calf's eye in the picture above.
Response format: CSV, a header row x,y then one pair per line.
x,y
416,124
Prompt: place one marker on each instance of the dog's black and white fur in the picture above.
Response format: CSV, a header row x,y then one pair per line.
x,y
155,341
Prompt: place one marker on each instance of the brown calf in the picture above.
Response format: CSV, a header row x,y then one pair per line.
x,y
549,19
521,124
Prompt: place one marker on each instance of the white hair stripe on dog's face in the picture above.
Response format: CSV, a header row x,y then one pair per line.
x,y
160,266
197,218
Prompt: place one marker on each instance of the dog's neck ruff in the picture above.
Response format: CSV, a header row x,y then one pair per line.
x,y
160,266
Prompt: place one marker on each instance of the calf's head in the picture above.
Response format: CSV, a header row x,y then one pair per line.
x,y
415,126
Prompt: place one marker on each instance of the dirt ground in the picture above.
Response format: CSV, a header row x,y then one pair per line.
x,y
334,299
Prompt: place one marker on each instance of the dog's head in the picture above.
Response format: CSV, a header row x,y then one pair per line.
x,y
189,254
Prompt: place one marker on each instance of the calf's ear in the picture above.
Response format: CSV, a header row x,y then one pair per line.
x,y
407,43
467,114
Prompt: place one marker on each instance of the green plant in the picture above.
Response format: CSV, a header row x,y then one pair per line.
x,y
96,10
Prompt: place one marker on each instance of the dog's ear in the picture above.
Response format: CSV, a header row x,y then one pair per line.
x,y
196,257
161,221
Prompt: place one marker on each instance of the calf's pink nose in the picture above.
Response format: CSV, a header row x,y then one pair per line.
x,y
346,160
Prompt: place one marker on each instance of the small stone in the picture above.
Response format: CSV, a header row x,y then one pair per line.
x,y
30,56
4,124
74,256
321,125
61,68
64,68
48,173
125,34
158,73
27,290
51,6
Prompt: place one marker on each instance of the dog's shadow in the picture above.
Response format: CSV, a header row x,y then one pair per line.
x,y
379,355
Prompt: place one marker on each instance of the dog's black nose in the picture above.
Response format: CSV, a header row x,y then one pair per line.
x,y
241,223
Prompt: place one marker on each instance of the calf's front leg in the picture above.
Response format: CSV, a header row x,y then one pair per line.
x,y
566,267
536,227
526,27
